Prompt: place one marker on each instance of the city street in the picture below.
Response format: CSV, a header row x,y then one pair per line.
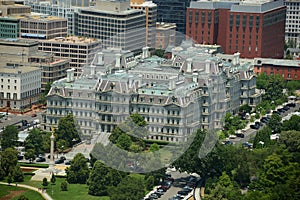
x,y
250,133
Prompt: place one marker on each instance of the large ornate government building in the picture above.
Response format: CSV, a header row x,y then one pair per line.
x,y
191,88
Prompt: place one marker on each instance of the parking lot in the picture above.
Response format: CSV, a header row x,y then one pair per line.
x,y
180,183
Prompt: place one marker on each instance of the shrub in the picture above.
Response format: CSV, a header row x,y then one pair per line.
x,y
64,186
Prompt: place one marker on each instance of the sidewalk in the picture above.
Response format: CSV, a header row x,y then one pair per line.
x,y
44,195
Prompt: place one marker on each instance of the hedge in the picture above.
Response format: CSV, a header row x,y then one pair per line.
x,y
34,165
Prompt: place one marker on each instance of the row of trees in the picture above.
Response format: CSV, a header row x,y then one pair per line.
x,y
9,166
267,172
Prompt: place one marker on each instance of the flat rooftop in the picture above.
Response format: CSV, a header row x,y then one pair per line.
x,y
18,41
5,69
74,40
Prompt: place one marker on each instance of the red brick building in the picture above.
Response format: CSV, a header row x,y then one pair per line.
x,y
288,69
253,28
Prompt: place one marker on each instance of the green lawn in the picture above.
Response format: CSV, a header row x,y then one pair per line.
x,y
75,191
32,195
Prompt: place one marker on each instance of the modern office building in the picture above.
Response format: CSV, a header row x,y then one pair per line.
x,y
58,10
173,11
42,27
9,27
79,50
70,3
23,52
292,24
20,86
114,23
8,8
165,35
288,69
193,89
17,50
253,28
150,10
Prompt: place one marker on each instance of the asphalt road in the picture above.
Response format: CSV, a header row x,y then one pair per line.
x,y
250,133
14,118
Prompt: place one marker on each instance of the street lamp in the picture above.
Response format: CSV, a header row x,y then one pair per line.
x,y
262,144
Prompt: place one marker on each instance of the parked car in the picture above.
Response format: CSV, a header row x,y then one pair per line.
x,y
254,126
67,162
40,159
232,136
188,188
247,145
63,158
33,115
153,196
20,157
59,161
183,192
227,142
241,135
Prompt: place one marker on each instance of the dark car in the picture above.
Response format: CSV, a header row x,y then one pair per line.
x,y
20,157
153,196
40,159
241,135
183,192
276,112
59,161
228,142
247,145
68,162
291,105
281,110
63,158
286,108
254,126
264,120
259,123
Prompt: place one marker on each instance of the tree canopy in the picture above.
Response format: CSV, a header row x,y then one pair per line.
x,y
78,172
9,137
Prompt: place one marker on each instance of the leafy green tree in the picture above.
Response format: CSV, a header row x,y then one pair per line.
x,y
132,188
2,173
224,189
115,177
275,123
53,179
293,85
9,160
159,53
18,175
124,141
99,179
64,186
68,131
245,108
9,178
9,137
30,155
45,182
149,181
78,172
292,124
262,135
154,147
34,141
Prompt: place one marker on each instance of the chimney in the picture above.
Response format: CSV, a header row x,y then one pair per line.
x,y
100,58
195,77
70,75
118,60
236,58
93,69
172,82
189,65
207,66
145,53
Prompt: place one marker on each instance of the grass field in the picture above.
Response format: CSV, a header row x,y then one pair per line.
x,y
12,192
75,191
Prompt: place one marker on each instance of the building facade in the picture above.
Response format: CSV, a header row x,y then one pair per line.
x,y
253,28
20,86
292,25
114,23
9,27
42,27
173,11
191,90
150,10
8,8
79,50
288,69
23,52
165,35
63,11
